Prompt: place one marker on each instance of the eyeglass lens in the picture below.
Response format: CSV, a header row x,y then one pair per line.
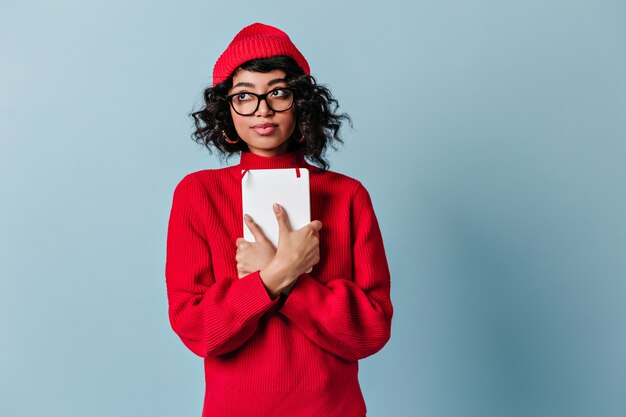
x,y
247,103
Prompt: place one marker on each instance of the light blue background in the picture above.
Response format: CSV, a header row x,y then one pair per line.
x,y
490,135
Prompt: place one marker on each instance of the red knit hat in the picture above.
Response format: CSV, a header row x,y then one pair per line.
x,y
256,41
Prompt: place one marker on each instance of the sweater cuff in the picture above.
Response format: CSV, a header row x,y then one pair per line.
x,y
250,297
308,294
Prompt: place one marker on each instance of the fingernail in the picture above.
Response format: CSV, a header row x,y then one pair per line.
x,y
247,217
276,208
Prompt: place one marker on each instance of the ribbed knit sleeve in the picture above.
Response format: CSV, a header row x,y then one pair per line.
x,y
211,314
348,317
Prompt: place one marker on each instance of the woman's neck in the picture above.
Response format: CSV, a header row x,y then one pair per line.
x,y
290,159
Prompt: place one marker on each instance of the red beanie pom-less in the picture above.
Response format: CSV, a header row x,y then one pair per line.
x,y
256,41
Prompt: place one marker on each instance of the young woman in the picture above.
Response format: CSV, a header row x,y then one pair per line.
x,y
276,340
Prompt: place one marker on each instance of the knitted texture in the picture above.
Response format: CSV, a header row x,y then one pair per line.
x,y
256,41
291,356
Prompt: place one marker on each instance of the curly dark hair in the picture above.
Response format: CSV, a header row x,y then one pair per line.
x,y
315,107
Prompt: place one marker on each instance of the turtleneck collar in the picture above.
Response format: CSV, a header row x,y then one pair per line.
x,y
291,159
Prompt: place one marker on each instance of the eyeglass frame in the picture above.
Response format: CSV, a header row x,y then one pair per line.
x,y
260,97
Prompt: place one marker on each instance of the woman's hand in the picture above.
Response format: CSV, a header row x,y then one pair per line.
x,y
298,250
252,256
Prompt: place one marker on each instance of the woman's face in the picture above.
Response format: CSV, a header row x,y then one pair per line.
x,y
271,140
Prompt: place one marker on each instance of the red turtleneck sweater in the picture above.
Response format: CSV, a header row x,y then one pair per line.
x,y
294,356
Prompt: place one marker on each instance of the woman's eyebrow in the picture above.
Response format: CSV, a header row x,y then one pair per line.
x,y
276,81
272,82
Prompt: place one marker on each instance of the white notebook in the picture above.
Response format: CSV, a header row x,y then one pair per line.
x,y
260,188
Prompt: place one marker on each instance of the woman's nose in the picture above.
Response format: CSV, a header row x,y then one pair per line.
x,y
264,108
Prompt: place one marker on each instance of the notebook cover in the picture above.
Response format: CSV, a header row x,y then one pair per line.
x,y
261,188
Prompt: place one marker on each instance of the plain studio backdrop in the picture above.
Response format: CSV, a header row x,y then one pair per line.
x,y
490,134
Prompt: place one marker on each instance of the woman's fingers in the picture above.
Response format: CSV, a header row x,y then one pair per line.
x,y
298,249
283,220
254,228
242,273
252,256
316,225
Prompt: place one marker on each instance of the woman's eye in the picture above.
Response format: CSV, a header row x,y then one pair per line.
x,y
241,96
279,92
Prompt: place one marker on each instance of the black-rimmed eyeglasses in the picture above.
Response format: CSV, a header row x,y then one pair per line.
x,y
245,103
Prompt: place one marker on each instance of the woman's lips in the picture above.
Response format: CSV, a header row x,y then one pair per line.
x,y
265,129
